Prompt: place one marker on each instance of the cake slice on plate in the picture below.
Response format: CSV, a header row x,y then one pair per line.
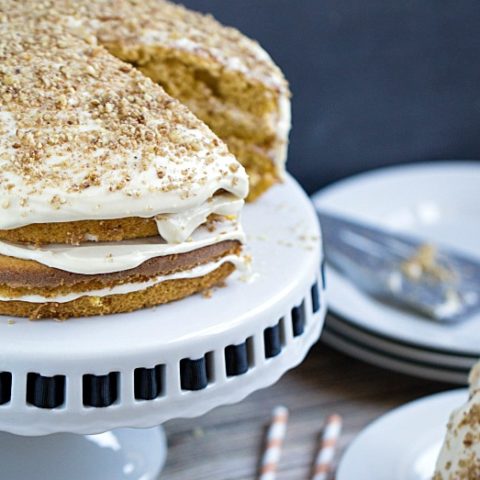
x,y
459,457
113,195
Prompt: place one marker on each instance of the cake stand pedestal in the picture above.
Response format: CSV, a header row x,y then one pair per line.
x,y
64,383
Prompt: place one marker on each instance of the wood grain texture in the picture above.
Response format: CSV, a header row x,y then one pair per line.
x,y
226,443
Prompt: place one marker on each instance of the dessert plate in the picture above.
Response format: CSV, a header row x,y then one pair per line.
x,y
386,358
403,444
438,202
397,349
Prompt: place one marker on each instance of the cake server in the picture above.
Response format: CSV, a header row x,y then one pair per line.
x,y
401,270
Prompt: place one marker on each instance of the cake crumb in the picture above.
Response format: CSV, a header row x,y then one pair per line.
x,y
423,264
207,293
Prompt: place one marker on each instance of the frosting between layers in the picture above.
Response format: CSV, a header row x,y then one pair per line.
x,y
126,288
110,257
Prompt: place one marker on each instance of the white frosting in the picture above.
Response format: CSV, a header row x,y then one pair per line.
x,y
125,288
177,227
284,124
109,257
100,203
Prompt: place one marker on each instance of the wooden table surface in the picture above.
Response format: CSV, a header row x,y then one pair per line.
x,y
226,443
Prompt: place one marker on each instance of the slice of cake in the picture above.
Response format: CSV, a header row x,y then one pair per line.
x,y
113,195
226,79
459,457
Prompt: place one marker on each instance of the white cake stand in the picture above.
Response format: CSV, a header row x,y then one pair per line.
x,y
91,375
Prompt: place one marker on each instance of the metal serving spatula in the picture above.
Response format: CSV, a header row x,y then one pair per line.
x,y
436,282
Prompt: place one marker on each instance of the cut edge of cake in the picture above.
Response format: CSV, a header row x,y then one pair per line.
x,y
228,80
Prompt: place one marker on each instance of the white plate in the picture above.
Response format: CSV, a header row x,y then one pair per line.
x,y
403,444
385,359
420,355
439,202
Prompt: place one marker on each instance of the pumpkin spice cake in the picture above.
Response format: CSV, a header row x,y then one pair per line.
x,y
226,79
113,195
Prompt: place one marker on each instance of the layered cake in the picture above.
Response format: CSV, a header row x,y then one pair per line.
x,y
459,457
113,195
226,79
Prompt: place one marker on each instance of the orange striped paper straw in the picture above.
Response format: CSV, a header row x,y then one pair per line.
x,y
273,444
326,452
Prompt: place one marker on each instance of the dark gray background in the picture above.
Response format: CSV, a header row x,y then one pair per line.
x,y
374,82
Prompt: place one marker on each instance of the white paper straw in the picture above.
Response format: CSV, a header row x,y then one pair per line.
x,y
326,452
273,444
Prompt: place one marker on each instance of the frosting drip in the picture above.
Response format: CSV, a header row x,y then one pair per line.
x,y
178,227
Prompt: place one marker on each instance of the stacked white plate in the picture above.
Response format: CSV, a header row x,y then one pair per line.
x,y
438,202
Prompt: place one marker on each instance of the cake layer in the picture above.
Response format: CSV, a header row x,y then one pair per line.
x,y
20,277
84,136
103,288
74,233
90,305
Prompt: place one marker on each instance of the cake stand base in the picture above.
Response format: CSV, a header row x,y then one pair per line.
x,y
116,455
